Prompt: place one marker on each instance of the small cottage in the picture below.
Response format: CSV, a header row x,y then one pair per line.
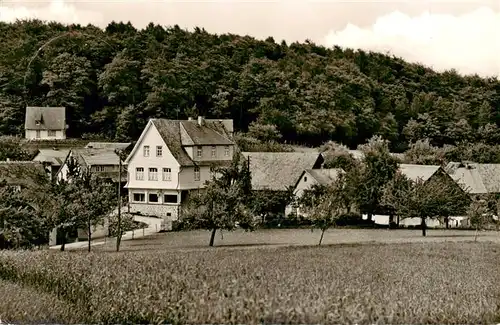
x,y
45,123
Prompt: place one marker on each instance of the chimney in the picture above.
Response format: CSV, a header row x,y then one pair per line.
x,y
200,120
7,160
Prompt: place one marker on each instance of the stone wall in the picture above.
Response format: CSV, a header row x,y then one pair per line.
x,y
168,213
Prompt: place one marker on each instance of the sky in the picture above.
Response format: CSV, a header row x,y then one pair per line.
x,y
462,35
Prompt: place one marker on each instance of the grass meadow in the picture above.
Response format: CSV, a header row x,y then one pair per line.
x,y
434,281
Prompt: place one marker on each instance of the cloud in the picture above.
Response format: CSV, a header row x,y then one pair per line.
x,y
57,10
466,39
469,43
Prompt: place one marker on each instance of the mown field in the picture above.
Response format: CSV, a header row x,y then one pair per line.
x,y
447,282
198,239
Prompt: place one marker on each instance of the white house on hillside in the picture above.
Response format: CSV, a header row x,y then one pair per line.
x,y
45,123
172,157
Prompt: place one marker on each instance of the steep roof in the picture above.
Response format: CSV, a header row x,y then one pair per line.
x,y
209,133
51,118
413,172
476,178
277,171
324,176
108,145
23,173
170,132
179,133
53,156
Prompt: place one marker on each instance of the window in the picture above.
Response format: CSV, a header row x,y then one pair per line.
x,y
153,197
167,174
139,174
169,198
139,197
153,174
159,151
38,134
226,151
199,151
146,151
52,133
305,178
99,168
214,151
197,173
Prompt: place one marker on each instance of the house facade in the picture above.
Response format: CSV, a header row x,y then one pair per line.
x,y
428,173
104,163
45,123
278,171
173,157
307,180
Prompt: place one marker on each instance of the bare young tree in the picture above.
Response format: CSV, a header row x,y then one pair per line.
x,y
325,204
223,203
478,215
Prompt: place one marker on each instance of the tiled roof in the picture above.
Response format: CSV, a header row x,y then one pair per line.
x,y
88,156
476,178
279,170
108,145
413,172
324,176
170,132
51,118
209,133
54,157
179,133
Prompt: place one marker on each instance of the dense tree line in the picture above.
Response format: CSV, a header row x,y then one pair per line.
x,y
113,80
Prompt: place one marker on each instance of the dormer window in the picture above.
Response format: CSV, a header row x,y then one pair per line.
x,y
199,151
38,122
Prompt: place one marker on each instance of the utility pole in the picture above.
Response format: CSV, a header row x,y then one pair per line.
x,y
119,234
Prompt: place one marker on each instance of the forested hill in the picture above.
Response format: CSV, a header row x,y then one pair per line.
x,y
112,81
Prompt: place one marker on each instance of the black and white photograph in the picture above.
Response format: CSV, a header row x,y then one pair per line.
x,y
249,162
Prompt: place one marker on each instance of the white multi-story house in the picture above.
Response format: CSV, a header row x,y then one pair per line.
x,y
173,157
45,123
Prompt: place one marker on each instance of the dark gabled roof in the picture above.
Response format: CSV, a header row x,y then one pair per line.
x,y
51,118
276,171
179,133
209,133
23,173
170,132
